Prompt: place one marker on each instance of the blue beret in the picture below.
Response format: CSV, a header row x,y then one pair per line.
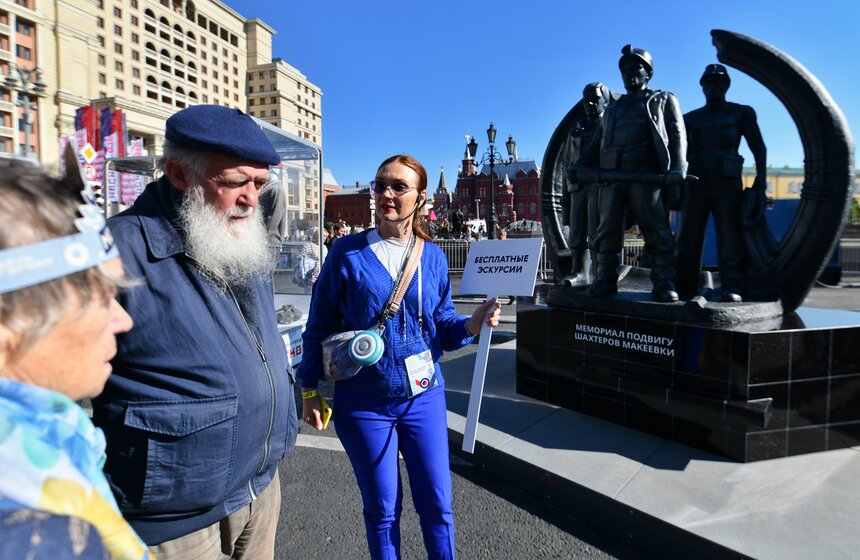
x,y
221,130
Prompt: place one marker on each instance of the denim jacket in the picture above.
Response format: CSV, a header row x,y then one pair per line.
x,y
200,407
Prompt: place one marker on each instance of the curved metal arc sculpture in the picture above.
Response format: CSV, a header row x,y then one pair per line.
x,y
829,162
552,188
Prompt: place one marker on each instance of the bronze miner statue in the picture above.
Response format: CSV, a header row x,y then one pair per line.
x,y
581,199
714,134
638,150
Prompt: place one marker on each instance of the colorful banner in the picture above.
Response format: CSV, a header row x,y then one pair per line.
x,y
132,185
111,151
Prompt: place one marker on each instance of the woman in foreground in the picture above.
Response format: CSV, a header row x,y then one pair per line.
x,y
58,320
396,405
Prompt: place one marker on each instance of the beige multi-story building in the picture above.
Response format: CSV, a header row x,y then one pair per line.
x,y
279,93
149,58
787,182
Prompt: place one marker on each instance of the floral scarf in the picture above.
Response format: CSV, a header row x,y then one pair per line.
x,y
52,457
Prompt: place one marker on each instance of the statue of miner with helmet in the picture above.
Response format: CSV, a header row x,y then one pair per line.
x,y
640,147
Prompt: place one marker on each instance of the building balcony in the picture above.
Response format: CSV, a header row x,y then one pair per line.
x,y
7,107
8,132
5,29
5,55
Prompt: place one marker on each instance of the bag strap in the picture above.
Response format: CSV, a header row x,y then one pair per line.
x,y
415,249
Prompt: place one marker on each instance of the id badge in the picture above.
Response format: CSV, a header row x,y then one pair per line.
x,y
421,372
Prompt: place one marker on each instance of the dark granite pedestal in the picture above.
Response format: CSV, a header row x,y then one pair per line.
x,y
753,391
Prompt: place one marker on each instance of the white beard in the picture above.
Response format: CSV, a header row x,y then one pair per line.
x,y
235,253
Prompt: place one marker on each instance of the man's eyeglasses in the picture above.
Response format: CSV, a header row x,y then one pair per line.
x,y
399,189
238,181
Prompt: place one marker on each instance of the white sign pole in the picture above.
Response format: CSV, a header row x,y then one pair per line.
x,y
478,376
494,267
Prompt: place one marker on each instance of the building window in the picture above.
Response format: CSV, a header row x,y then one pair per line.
x,y
134,4
274,112
102,78
117,48
250,102
215,74
135,72
100,22
101,40
135,21
120,85
205,98
135,55
274,100
262,113
215,88
205,83
135,38
117,30
235,57
101,60
118,66
117,12
23,52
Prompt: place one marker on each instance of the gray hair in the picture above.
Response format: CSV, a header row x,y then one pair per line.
x,y
194,162
36,207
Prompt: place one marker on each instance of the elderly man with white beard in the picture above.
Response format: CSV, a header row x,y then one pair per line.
x,y
200,408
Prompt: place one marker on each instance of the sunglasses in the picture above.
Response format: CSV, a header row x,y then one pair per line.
x,y
399,189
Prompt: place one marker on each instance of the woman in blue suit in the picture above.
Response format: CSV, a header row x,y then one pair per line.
x,y
397,404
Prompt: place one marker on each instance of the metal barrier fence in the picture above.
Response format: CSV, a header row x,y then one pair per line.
x,y
457,249
849,255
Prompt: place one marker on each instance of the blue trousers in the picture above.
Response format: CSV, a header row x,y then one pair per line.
x,y
372,431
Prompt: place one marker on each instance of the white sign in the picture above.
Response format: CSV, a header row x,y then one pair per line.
x,y
89,172
503,267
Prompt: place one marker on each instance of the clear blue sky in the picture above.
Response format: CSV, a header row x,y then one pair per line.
x,y
416,76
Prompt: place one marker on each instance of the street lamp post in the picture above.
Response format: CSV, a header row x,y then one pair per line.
x,y
477,210
492,156
28,83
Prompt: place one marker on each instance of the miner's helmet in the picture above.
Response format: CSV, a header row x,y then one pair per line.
x,y
715,71
640,54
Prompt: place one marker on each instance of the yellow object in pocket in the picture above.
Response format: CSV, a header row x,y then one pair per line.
x,y
326,411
